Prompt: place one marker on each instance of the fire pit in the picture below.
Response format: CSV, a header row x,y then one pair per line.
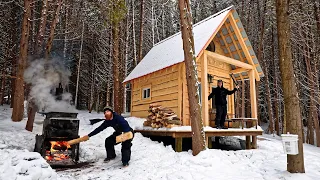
x,y
58,128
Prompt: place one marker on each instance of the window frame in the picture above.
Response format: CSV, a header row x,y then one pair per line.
x,y
143,90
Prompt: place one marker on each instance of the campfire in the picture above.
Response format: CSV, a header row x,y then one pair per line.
x,y
59,151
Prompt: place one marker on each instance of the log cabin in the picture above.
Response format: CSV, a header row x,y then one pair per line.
x,y
222,47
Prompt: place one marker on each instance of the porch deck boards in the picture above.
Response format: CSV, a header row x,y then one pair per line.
x,y
209,132
185,131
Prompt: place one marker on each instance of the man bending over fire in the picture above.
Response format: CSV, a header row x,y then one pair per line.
x,y
123,133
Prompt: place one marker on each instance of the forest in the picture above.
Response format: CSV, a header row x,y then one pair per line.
x,y
94,45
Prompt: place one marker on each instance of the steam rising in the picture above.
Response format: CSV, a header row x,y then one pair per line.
x,y
44,77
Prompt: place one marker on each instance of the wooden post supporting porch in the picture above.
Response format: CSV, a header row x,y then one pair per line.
x,y
248,142
204,90
178,144
253,99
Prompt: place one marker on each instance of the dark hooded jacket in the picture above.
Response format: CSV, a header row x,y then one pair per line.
x,y
221,95
118,123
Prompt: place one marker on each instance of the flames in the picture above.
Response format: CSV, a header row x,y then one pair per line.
x,y
58,151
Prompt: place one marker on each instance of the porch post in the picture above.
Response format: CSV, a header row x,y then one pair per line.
x,y
253,94
204,89
253,99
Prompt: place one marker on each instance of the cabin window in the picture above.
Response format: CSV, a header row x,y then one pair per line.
x,y
211,47
146,93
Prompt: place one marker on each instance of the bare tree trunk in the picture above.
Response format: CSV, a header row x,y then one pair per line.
x,y
92,100
32,34
152,21
263,61
42,27
127,34
134,36
198,137
310,130
13,50
295,163
270,114
65,43
276,102
3,79
78,69
32,107
52,28
141,30
317,15
315,70
107,94
118,14
18,106
116,69
315,112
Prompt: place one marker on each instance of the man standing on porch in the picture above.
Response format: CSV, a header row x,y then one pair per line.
x,y
221,103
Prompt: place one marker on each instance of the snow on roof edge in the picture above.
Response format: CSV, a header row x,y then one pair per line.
x,y
178,33
125,81
200,22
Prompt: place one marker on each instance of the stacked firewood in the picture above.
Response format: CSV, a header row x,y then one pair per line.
x,y
161,117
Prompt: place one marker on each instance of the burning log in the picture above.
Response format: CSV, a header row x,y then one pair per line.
x,y
161,117
58,151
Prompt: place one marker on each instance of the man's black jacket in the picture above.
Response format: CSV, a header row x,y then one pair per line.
x,y
221,95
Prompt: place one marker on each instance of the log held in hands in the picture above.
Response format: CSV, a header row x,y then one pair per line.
x,y
122,137
78,140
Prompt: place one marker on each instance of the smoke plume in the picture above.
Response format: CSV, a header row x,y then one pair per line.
x,y
44,77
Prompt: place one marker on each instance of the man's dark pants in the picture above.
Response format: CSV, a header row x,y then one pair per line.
x,y
125,149
221,115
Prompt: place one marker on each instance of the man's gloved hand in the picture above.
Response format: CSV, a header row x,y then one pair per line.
x,y
78,140
124,136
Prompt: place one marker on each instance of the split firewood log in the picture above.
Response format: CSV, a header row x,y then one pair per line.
x,y
177,122
154,105
170,117
153,125
155,110
165,111
159,115
172,125
147,123
168,114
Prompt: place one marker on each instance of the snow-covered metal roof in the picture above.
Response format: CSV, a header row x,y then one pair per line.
x,y
169,51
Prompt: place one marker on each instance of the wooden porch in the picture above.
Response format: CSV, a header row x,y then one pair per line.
x,y
241,67
178,133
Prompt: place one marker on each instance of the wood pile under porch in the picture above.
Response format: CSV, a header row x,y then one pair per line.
x,y
178,133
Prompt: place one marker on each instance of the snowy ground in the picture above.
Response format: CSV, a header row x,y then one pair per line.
x,y
149,160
